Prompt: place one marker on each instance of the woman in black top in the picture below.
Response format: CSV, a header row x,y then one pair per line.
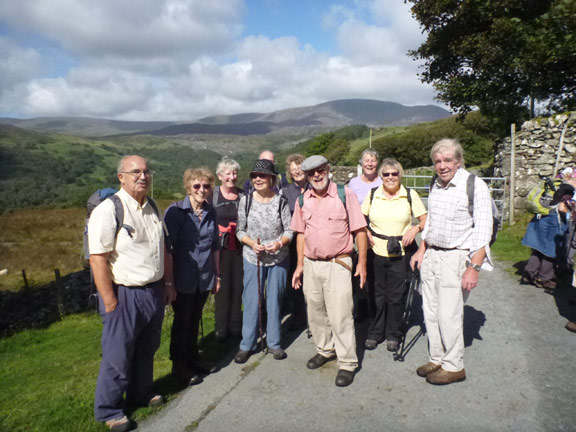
x,y
228,301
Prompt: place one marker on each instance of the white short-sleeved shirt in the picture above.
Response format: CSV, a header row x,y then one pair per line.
x,y
136,257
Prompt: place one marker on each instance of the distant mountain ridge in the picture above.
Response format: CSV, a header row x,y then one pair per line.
x,y
302,120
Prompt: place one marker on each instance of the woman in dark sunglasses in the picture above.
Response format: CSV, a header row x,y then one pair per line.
x,y
264,230
192,264
390,209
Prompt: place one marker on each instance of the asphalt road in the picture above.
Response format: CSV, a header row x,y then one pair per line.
x,y
520,365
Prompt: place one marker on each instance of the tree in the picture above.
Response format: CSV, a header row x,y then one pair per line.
x,y
499,55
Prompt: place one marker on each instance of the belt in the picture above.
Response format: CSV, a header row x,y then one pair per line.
x,y
337,259
443,249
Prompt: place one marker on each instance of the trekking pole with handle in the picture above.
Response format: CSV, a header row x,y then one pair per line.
x,y
259,298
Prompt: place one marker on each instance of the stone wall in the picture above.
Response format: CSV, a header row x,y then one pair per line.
x,y
537,145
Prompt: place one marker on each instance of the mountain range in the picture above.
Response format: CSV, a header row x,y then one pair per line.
x,y
301,121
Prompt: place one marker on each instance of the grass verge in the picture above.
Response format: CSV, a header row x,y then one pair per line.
x,y
48,376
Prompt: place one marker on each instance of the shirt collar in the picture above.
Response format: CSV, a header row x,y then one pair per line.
x,y
456,180
332,190
380,193
130,201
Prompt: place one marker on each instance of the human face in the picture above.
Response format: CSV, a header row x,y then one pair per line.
x,y
369,165
228,177
268,155
136,185
261,182
446,165
318,178
198,190
296,172
390,179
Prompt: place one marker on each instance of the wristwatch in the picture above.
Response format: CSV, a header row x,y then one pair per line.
x,y
476,267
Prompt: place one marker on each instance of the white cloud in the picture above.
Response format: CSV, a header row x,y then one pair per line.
x,y
186,59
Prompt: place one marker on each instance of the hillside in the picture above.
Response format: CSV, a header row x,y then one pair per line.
x,y
305,121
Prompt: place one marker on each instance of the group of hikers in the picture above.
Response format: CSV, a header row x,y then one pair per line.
x,y
306,237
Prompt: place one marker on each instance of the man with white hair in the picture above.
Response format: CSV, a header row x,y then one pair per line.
x,y
127,260
327,217
454,248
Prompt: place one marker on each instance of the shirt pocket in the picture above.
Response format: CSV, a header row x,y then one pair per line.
x,y
338,222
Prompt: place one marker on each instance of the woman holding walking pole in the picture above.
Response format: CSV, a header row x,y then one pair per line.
x,y
264,230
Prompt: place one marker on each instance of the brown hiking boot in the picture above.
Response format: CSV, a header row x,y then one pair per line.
x,y
427,369
571,326
443,377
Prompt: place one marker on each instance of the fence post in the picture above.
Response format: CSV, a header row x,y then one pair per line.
x,y
25,280
59,294
512,173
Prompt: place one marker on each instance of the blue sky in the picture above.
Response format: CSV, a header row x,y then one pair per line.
x,y
186,59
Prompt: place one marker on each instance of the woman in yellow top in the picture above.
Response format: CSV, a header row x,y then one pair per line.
x,y
391,236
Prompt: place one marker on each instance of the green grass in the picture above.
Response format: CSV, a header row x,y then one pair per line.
x,y
48,376
508,246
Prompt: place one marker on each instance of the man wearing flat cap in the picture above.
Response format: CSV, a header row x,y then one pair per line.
x,y
327,217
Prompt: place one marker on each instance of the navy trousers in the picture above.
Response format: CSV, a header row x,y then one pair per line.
x,y
130,338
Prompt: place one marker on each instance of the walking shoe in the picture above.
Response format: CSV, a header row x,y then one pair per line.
x,y
242,357
344,378
318,360
156,400
549,284
370,344
527,279
392,345
443,377
278,354
571,326
119,425
428,368
203,369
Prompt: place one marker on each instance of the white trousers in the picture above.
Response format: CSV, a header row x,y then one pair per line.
x,y
443,305
328,292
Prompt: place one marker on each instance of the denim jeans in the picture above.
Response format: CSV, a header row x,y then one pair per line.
x,y
273,283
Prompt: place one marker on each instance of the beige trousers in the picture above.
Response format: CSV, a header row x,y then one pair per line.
x,y
328,292
443,305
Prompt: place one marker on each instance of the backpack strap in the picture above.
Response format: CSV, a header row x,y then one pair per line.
x,y
470,192
215,196
341,195
118,213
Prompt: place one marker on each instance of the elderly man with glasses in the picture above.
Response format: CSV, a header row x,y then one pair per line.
x,y
326,218
128,266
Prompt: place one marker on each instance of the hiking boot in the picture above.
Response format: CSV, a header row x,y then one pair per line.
x,y
571,326
202,368
119,425
344,378
278,354
428,368
443,377
527,279
241,357
318,360
392,345
370,344
181,371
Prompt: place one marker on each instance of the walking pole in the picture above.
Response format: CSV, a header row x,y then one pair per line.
x,y
259,298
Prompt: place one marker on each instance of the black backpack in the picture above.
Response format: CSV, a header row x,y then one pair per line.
x,y
96,199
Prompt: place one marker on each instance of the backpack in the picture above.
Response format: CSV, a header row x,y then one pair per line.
x,y
470,193
216,195
539,198
96,199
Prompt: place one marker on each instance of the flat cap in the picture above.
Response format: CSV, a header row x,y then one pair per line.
x,y
313,162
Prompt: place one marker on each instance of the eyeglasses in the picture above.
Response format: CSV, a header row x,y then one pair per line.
x,y
319,170
206,186
393,174
138,173
256,175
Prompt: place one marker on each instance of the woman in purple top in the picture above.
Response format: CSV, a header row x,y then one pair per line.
x,y
369,178
193,267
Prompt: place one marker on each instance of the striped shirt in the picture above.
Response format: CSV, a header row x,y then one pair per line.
x,y
450,225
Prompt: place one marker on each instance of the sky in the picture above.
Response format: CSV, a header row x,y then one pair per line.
x,y
180,60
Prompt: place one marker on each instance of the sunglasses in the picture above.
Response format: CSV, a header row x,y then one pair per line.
x,y
256,175
319,170
393,174
206,186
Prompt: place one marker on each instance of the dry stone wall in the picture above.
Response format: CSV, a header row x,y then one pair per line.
x,y
537,145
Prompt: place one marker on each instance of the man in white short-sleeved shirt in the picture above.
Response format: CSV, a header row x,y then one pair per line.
x,y
128,266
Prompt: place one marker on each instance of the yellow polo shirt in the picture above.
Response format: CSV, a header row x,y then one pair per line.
x,y
391,217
